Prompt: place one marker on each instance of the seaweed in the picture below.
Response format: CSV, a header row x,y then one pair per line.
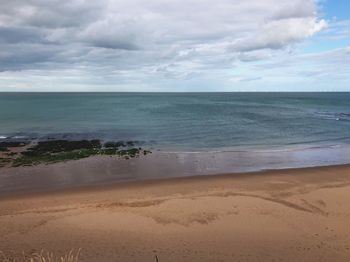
x,y
53,158
112,144
52,151
131,153
130,143
108,151
12,144
146,152
4,161
11,154
56,146
4,149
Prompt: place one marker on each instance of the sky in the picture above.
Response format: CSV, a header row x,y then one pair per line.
x,y
174,45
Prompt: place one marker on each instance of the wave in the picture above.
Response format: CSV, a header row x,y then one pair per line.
x,y
269,149
338,116
19,137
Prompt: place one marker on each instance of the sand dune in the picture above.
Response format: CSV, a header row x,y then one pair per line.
x,y
294,215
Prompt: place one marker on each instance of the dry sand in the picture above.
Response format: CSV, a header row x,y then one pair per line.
x,y
294,215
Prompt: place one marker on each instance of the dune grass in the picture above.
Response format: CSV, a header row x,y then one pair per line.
x,y
42,256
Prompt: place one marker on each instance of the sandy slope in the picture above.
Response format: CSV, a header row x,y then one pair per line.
x,y
295,215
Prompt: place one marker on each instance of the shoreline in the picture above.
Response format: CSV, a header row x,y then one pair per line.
x,y
159,181
103,169
289,215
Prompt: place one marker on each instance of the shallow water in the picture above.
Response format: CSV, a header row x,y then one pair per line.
x,y
104,170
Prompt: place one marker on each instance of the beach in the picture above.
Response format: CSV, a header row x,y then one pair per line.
x,y
176,176
175,131
280,215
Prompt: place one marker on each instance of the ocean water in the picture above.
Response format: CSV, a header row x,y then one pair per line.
x,y
189,133
182,121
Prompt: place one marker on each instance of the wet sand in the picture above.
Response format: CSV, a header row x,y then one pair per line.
x,y
281,215
100,170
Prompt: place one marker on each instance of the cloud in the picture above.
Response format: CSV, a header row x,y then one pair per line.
x,y
151,40
50,13
19,35
280,33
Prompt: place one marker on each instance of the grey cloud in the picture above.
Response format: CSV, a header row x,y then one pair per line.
x,y
295,9
19,35
26,56
51,13
334,63
246,79
175,39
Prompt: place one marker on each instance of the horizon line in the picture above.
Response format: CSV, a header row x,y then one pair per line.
x,y
170,92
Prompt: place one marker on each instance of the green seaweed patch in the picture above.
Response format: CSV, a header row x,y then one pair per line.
x,y
146,152
47,158
11,154
109,151
4,161
129,153
130,143
112,144
12,144
53,151
57,146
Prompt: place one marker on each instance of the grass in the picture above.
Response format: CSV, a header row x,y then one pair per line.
x,y
71,256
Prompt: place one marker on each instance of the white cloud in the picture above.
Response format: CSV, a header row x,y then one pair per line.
x,y
277,34
152,40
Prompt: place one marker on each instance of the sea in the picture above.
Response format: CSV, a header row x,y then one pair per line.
x,y
187,122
